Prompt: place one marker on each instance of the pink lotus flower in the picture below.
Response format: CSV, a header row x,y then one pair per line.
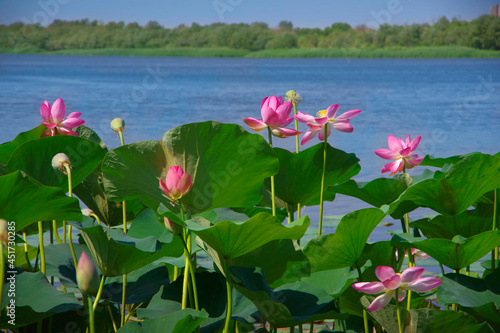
x,y
177,183
317,124
400,151
53,119
409,279
86,275
275,115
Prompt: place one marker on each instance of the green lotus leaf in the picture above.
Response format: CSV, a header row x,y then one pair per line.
x,y
345,246
184,321
299,176
466,224
469,291
7,148
35,158
466,181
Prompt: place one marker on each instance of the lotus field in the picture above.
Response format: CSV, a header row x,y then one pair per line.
x,y
203,230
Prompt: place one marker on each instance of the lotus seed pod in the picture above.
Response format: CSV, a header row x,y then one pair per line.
x,y
59,160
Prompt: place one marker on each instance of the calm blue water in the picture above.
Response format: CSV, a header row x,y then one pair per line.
x,y
454,104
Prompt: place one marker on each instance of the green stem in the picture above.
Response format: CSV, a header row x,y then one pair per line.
x,y
99,292
64,232
296,144
398,312
112,318
91,315
191,273
42,249
301,330
272,177
442,268
365,320
70,242
229,290
26,251
124,300
176,273
292,329
322,193
311,327
494,253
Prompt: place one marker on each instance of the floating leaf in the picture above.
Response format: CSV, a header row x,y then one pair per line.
x,y
465,182
26,201
299,176
345,246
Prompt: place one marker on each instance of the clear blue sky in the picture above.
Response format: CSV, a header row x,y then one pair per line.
x,y
302,13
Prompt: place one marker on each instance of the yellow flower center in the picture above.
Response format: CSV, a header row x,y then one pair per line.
x,y
321,114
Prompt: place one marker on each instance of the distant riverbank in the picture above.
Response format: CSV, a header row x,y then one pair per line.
x,y
388,52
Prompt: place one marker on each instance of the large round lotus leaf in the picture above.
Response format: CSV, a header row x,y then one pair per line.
x,y
7,148
35,158
26,201
184,321
299,176
227,165
465,182
344,247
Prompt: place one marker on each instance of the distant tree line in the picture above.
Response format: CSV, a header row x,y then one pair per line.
x,y
482,33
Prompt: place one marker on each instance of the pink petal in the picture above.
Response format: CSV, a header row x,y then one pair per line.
x,y
177,169
74,115
66,131
394,144
304,117
286,122
264,102
72,122
369,287
280,101
424,284
348,114
48,125
48,132
343,126
386,154
321,134
405,152
414,143
396,166
273,102
411,274
171,180
321,121
315,126
45,111
58,111
163,186
408,140
185,183
284,110
381,301
284,132
384,272
256,125
270,117
393,282
332,110
412,161
308,136
401,295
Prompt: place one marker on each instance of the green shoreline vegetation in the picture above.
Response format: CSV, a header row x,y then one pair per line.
x,y
442,39
390,52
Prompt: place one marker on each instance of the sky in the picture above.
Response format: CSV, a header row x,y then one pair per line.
x,y
302,13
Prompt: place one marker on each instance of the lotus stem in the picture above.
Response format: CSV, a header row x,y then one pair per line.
x,y
398,312
322,193
70,228
365,320
26,251
311,327
188,262
494,253
99,292
296,143
112,318
229,290
40,245
272,177
176,273
124,300
91,314
64,232
301,330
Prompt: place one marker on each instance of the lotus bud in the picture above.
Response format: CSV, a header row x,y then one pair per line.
x,y
172,226
292,96
177,183
4,234
117,124
86,275
59,161
87,212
